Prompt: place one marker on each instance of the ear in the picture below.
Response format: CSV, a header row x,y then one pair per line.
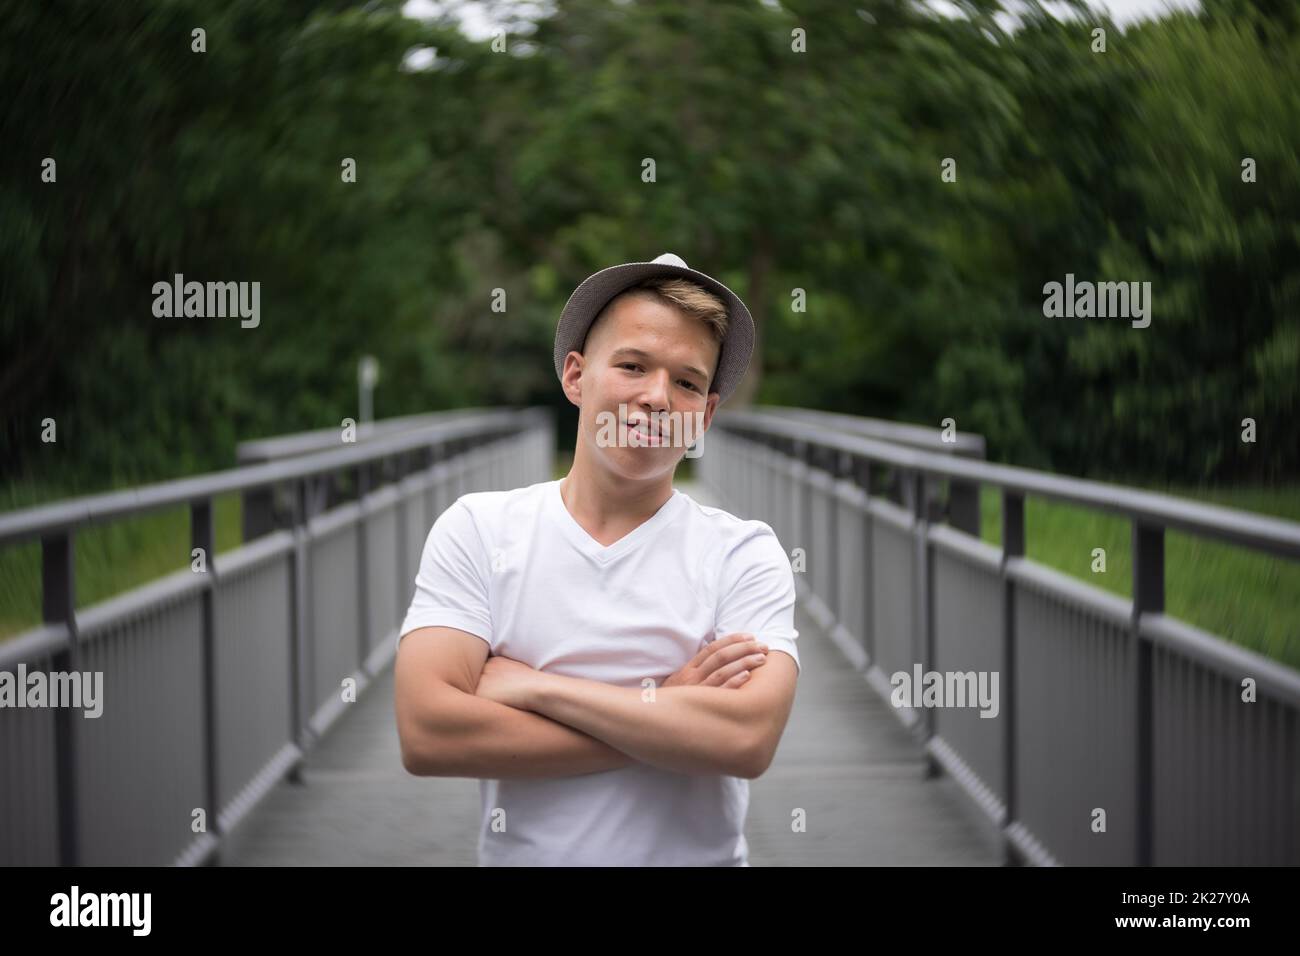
x,y
711,406
571,378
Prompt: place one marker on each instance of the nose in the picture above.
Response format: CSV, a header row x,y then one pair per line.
x,y
656,387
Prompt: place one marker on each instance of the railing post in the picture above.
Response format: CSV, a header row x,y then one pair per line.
x,y
917,482
405,573
829,459
1148,598
363,478
203,538
964,506
804,453
258,512
862,475
934,503
58,606
1013,546
843,472
299,627
798,514
1013,525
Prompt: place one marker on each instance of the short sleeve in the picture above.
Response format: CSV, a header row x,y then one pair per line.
x,y
451,585
756,592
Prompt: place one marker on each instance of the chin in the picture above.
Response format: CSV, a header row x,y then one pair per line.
x,y
642,463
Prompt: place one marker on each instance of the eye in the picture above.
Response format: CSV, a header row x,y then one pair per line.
x,y
685,381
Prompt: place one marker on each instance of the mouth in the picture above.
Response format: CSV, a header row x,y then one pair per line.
x,y
648,435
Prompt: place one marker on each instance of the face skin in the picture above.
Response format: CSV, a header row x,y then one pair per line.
x,y
611,490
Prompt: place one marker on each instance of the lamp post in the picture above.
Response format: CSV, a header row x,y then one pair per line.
x,y
367,376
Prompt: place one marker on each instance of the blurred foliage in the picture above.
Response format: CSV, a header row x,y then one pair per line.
x,y
775,170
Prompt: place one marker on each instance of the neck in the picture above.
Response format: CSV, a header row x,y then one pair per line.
x,y
600,498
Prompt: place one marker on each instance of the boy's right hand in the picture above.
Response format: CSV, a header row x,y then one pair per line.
x,y
725,662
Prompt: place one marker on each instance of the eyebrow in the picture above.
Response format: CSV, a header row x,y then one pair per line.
x,y
638,353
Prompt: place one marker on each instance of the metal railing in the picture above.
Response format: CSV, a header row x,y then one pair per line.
x,y
216,681
270,506
959,503
1123,736
921,437
255,451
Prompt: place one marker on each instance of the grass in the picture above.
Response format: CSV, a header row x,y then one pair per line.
x,y
1243,596
108,559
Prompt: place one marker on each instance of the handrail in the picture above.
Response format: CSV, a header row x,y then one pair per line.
x,y
1274,535
59,516
258,450
965,444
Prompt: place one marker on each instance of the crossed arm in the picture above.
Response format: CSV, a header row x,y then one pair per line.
x,y
497,718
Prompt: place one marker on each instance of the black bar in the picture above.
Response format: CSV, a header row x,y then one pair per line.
x,y
862,473
916,483
405,573
258,512
203,537
832,575
1148,568
1148,598
363,582
1013,546
299,586
58,606
964,506
1013,525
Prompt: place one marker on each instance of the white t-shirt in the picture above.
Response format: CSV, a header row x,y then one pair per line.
x,y
516,569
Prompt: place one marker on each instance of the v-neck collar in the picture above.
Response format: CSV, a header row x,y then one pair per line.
x,y
601,553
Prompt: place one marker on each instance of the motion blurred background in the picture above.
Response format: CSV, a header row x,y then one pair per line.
x,y
511,157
